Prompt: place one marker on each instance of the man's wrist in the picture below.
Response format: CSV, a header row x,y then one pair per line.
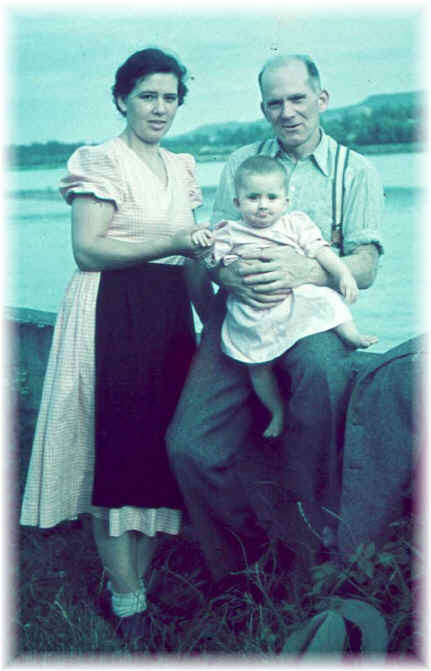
x,y
225,276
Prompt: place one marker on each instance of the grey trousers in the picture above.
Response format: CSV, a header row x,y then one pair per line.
x,y
233,484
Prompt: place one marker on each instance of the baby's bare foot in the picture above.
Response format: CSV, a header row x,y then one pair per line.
x,y
274,428
365,341
359,341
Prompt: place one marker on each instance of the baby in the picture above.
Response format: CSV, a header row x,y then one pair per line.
x,y
259,336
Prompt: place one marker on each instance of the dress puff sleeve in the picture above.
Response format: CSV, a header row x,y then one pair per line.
x,y
195,194
93,170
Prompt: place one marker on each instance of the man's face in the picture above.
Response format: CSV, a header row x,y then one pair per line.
x,y
292,107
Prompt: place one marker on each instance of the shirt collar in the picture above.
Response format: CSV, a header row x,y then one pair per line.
x,y
320,154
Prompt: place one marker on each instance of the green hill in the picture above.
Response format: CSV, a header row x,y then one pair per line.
x,y
380,123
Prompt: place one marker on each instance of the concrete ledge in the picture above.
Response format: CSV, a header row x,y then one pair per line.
x,y
30,316
30,335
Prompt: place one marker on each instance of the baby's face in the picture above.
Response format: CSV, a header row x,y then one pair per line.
x,y
261,199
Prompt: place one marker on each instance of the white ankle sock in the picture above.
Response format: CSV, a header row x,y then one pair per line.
x,y
128,603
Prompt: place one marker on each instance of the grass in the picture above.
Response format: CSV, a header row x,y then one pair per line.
x,y
59,586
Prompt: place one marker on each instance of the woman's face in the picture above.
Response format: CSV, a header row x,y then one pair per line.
x,y
151,106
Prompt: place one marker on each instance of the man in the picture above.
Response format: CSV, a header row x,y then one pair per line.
x,y
220,466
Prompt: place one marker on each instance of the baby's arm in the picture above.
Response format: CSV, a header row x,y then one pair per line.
x,y
333,265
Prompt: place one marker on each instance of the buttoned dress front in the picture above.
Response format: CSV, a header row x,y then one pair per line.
x,y
61,472
252,335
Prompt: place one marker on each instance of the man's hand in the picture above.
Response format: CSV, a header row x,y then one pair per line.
x,y
229,277
263,278
272,269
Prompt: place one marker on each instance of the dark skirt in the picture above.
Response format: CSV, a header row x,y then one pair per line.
x,y
144,345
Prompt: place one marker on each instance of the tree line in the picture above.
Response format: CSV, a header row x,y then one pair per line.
x,y
378,122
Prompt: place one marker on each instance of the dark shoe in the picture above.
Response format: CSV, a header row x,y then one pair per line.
x,y
132,629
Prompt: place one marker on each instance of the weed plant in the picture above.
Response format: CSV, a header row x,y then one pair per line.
x,y
58,605
60,590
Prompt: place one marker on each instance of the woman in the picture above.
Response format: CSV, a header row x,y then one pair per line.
x,y
123,339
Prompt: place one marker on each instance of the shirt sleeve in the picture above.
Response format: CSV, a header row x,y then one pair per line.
x,y
92,171
194,192
309,237
363,208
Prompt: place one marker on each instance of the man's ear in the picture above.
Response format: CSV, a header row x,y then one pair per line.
x,y
323,100
263,110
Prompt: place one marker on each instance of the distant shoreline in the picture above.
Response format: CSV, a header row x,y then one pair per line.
x,y
389,148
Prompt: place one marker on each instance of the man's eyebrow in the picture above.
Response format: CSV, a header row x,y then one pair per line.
x,y
281,98
274,101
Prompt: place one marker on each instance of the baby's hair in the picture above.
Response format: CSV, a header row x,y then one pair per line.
x,y
260,165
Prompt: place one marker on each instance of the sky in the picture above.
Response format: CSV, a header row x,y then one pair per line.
x,y
60,59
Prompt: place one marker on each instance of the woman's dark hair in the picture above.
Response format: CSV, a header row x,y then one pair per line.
x,y
144,63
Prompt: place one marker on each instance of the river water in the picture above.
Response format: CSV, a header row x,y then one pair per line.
x,y
40,262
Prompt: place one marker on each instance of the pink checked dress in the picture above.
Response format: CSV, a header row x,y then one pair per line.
x,y
61,472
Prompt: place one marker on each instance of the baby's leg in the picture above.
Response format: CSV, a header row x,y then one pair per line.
x,y
350,334
265,385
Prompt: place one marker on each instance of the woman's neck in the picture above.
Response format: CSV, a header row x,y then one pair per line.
x,y
145,150
148,154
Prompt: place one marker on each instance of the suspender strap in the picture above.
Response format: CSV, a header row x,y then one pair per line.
x,y
341,159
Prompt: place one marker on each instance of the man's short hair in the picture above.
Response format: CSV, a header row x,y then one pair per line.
x,y
260,165
313,72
